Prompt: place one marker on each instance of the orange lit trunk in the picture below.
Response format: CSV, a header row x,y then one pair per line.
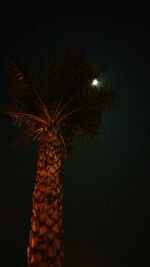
x,y
46,235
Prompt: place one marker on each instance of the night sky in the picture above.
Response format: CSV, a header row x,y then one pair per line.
x,y
106,186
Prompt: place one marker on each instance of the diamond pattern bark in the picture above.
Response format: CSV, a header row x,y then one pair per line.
x,y
46,235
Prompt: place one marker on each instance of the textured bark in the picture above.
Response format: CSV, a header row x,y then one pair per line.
x,y
46,235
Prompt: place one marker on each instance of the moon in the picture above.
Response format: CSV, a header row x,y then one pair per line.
x,y
97,83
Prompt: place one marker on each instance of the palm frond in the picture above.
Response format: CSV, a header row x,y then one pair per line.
x,y
67,102
20,118
42,106
26,135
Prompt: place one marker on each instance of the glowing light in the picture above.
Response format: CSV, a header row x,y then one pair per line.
x,y
95,82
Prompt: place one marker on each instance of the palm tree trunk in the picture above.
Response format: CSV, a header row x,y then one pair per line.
x,y
46,235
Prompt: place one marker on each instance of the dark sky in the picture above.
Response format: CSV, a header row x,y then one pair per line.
x,y
107,184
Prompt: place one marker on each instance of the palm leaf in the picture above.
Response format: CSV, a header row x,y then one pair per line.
x,y
67,101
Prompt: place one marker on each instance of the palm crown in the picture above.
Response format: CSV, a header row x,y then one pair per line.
x,y
66,104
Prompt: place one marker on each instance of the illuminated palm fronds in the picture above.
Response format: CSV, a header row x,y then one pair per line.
x,y
67,102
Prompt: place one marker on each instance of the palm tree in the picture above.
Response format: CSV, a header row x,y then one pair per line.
x,y
65,107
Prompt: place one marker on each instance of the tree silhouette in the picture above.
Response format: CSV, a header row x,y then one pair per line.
x,y
66,106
